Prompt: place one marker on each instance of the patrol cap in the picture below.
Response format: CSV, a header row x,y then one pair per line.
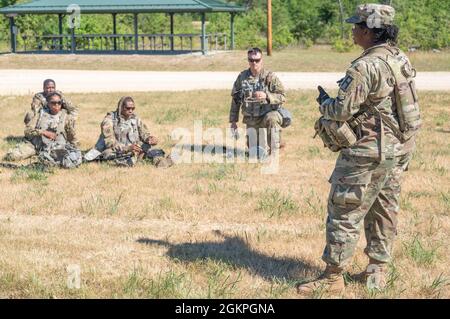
x,y
375,15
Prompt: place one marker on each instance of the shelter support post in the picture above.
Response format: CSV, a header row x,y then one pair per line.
x,y
13,30
60,30
73,45
114,15
232,15
203,40
136,33
171,32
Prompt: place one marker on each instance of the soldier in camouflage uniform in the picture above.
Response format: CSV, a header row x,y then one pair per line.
x,y
259,93
39,103
365,184
125,138
52,137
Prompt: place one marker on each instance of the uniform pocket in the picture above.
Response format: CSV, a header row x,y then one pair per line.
x,y
349,187
348,195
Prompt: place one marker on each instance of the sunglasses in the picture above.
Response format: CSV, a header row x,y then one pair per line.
x,y
55,102
254,60
129,108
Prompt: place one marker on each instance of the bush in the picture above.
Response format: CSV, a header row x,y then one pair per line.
x,y
340,45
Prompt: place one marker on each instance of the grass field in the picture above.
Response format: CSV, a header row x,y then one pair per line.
x,y
207,230
314,59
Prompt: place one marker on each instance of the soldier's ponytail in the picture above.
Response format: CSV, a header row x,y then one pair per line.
x,y
387,35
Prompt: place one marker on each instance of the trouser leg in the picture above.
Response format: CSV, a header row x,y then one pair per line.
x,y
272,121
356,183
20,152
380,224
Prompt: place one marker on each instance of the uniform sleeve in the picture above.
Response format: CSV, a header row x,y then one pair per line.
x,y
31,119
37,104
236,100
70,129
275,91
144,133
107,128
354,89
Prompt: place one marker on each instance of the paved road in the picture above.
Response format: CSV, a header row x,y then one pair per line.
x,y
22,82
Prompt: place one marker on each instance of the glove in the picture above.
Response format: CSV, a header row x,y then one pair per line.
x,y
322,95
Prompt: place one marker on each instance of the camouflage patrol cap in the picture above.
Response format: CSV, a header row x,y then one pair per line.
x,y
375,15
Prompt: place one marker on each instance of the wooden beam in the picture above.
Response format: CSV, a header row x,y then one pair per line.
x,y
269,27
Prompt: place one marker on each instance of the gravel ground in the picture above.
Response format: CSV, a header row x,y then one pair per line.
x,y
24,82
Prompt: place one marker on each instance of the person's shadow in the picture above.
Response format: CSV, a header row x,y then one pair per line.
x,y
235,251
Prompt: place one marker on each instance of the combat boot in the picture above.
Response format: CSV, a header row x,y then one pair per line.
x,y
331,281
376,274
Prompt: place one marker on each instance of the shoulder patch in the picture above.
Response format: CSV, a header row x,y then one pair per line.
x,y
345,83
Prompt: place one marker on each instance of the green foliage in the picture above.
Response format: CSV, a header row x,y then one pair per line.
x,y
273,203
342,45
420,254
37,173
423,23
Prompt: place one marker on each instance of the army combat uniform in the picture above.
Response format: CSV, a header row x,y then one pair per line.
x,y
259,114
62,151
361,175
39,102
373,122
118,135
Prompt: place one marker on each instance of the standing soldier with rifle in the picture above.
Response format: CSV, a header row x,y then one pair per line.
x,y
372,122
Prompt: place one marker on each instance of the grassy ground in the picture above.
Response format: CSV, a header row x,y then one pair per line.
x,y
206,230
319,58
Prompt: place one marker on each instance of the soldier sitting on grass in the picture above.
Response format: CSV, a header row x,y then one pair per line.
x,y
53,137
40,101
125,139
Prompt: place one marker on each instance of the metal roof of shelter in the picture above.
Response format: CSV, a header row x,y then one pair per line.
x,y
121,6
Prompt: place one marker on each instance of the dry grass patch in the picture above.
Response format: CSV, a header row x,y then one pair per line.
x,y
206,230
317,58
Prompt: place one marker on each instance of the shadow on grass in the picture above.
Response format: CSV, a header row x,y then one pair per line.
x,y
11,139
235,251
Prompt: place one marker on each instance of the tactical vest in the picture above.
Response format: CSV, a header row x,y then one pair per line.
x,y
251,106
53,123
126,132
406,100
